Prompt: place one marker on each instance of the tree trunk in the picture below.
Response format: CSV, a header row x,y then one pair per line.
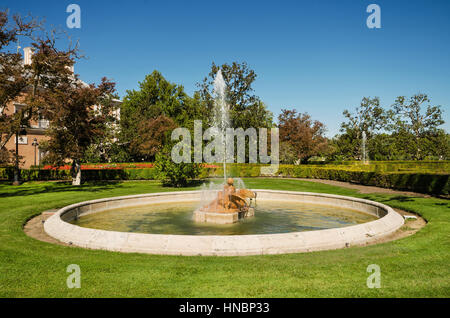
x,y
76,173
16,163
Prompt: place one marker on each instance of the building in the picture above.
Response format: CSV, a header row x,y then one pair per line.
x,y
32,136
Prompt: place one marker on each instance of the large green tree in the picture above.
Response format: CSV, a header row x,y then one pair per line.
x,y
416,126
246,109
157,100
368,117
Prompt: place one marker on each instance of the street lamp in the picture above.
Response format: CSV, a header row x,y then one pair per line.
x,y
21,131
35,144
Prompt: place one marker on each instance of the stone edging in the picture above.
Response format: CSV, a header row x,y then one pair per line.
x,y
232,245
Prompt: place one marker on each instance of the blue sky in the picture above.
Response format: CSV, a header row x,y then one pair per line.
x,y
315,56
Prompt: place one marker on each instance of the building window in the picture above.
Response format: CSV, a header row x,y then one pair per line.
x,y
18,107
23,140
41,155
43,123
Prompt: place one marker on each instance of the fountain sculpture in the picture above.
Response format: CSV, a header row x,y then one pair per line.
x,y
229,206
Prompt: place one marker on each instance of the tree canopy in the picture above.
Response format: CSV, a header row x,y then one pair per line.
x,y
301,135
409,129
246,109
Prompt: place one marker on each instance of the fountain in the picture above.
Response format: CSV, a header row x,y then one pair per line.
x,y
162,223
224,222
364,151
229,206
221,118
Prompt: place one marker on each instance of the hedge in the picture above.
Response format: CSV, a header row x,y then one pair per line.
x,y
91,175
386,176
417,182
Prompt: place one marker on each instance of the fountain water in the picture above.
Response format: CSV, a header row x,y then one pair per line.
x,y
363,146
221,118
227,204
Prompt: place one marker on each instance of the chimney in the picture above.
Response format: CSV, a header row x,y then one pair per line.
x,y
71,68
27,54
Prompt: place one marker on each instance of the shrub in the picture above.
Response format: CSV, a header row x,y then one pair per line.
x,y
175,174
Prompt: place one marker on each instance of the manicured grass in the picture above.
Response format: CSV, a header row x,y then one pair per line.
x,y
416,266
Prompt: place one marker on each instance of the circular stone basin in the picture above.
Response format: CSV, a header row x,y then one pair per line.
x,y
177,218
284,222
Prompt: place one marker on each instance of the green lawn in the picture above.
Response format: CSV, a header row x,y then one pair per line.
x,y
416,266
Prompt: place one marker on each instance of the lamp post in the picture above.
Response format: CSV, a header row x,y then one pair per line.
x,y
21,131
16,163
35,144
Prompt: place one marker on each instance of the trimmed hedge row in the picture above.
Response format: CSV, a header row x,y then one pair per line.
x,y
416,182
423,182
34,174
390,166
91,175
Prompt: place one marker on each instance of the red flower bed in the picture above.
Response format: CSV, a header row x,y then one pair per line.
x,y
104,166
115,166
204,165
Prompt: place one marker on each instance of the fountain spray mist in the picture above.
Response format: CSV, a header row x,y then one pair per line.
x,y
221,118
364,151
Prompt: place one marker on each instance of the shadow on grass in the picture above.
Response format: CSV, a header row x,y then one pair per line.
x,y
447,205
7,190
399,198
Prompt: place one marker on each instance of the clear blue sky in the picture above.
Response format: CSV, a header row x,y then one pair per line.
x,y
315,56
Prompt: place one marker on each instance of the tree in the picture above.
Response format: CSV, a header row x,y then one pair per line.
x,y
369,117
75,121
288,154
14,80
415,126
156,98
105,147
383,146
246,109
154,133
440,142
304,135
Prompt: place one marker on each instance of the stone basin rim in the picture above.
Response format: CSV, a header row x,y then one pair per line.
x,y
224,245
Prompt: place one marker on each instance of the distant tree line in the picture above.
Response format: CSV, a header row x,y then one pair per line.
x,y
408,130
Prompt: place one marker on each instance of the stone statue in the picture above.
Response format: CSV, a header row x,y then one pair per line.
x,y
229,200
